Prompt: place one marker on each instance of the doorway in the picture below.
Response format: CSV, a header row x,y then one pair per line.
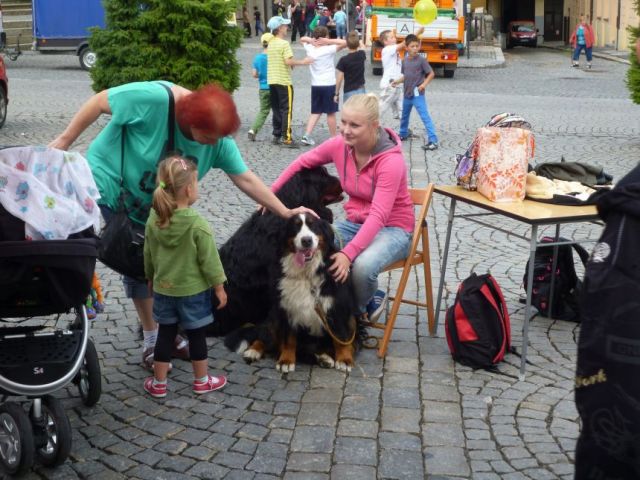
x,y
517,10
553,24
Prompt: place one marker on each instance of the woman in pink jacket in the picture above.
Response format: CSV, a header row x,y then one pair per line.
x,y
582,38
379,211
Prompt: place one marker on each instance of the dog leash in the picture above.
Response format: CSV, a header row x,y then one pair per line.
x,y
320,311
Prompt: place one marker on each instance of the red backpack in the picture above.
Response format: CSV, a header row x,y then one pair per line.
x,y
477,324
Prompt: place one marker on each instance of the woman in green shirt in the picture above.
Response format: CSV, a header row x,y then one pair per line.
x,y
203,120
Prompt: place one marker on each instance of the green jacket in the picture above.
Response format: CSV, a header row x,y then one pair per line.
x,y
314,23
181,259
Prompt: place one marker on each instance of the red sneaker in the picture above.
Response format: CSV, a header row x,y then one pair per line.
x,y
212,383
157,391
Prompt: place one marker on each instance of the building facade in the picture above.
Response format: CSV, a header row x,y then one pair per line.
x,y
556,19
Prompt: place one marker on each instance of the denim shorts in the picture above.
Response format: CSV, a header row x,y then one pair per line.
x,y
191,312
132,288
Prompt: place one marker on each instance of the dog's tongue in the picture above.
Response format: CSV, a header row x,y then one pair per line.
x,y
303,256
299,258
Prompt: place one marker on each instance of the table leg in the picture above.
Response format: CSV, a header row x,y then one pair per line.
x,y
554,266
443,269
527,308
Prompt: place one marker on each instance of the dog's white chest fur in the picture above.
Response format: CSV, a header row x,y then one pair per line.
x,y
300,291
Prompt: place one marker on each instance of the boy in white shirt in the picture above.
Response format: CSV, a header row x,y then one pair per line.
x,y
322,50
392,95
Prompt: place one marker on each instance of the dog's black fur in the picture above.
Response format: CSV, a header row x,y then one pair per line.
x,y
253,249
299,281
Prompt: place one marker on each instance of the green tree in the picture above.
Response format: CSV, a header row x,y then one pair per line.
x,y
187,42
633,74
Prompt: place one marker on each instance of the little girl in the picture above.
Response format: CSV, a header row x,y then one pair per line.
x,y
182,264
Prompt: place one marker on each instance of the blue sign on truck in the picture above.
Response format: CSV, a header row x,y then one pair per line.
x,y
63,26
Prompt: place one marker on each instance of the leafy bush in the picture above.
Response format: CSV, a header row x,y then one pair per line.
x,y
187,42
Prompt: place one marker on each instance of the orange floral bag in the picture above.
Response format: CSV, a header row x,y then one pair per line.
x,y
503,158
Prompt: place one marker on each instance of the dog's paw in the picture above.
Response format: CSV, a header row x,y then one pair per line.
x,y
325,360
343,367
250,355
286,367
242,347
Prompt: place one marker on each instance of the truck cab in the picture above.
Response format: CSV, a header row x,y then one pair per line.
x,y
439,42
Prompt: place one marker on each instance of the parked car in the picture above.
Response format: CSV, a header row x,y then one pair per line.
x,y
4,92
522,32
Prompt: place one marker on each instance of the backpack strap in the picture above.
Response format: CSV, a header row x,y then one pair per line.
x,y
170,119
582,253
495,290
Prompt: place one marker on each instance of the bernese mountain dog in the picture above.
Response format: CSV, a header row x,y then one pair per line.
x,y
310,312
252,251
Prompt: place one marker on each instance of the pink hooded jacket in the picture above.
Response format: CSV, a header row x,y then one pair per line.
x,y
378,194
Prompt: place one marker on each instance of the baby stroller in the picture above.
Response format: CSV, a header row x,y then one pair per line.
x,y
43,348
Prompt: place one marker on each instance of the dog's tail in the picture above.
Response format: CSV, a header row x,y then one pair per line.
x,y
240,339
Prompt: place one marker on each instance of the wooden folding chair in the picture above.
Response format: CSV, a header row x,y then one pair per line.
x,y
422,197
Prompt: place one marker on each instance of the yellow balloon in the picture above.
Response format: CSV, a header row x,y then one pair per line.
x,y
425,11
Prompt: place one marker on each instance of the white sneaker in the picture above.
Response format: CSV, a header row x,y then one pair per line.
x,y
252,135
307,140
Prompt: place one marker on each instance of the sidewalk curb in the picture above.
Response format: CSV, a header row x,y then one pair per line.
x,y
499,61
595,54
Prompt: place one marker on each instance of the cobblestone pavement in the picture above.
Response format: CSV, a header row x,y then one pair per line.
x,y
412,415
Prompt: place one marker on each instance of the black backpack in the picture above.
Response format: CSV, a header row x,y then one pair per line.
x,y
477,325
566,287
607,386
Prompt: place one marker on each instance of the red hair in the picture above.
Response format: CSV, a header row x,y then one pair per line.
x,y
209,108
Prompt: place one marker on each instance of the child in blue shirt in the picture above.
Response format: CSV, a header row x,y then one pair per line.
x,y
260,72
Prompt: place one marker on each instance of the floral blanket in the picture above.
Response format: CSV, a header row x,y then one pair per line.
x,y
52,191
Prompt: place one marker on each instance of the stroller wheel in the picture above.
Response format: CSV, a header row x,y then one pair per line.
x,y
16,439
89,379
56,433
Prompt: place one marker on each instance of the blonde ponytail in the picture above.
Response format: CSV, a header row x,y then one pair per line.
x,y
174,173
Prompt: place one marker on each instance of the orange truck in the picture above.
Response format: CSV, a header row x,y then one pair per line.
x,y
439,42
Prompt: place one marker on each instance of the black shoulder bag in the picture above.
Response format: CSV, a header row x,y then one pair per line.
x,y
122,239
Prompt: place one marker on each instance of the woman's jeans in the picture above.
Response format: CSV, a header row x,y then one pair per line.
x,y
421,106
389,245
341,30
579,48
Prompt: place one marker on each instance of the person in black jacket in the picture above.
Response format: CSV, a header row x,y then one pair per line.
x,y
607,390
297,24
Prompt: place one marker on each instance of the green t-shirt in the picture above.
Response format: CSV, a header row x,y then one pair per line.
x,y
142,108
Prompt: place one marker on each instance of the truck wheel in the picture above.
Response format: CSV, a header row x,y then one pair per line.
x,y
377,70
448,73
87,58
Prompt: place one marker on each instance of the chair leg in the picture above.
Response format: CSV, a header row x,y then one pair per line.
x,y
391,319
428,285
